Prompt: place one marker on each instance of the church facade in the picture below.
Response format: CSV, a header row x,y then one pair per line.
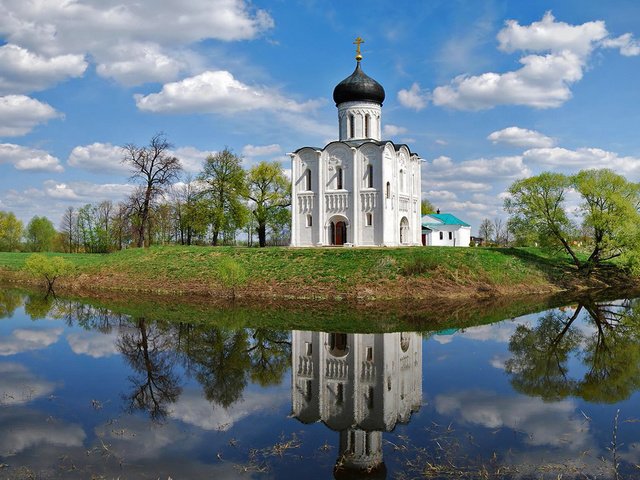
x,y
359,190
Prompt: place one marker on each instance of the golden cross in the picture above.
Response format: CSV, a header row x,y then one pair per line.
x,y
358,42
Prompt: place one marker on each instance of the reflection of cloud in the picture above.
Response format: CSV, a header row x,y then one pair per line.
x,y
545,423
22,429
24,340
498,361
93,344
136,438
18,385
193,409
632,453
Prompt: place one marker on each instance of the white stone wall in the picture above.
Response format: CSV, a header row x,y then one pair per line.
x,y
325,202
461,236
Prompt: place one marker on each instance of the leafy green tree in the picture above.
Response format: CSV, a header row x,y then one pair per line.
x,y
609,211
154,168
40,234
426,207
47,268
10,232
225,186
270,192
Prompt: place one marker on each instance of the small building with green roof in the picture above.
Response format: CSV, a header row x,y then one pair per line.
x,y
445,229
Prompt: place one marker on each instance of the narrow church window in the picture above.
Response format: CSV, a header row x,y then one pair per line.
x,y
370,399
309,221
402,180
367,444
441,235
370,176
388,193
450,235
307,176
340,394
308,348
367,121
369,220
339,178
369,354
352,126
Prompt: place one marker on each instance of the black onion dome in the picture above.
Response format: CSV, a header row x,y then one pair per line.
x,y
358,87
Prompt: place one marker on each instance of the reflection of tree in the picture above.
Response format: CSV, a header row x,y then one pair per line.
x,y
38,306
609,349
9,301
150,352
224,360
270,355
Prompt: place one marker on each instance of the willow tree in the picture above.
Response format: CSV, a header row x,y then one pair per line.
x,y
608,212
154,168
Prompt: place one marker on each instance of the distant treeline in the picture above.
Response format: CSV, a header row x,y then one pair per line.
x,y
223,205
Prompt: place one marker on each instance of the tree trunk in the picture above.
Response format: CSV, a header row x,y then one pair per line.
x,y
262,234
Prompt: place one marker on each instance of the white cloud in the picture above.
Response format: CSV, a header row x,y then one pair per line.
x,y
25,340
93,344
24,158
86,192
629,46
98,158
18,385
131,64
491,168
542,82
545,79
521,137
151,31
191,158
393,130
548,34
261,150
216,92
436,195
24,71
107,158
414,98
20,114
583,158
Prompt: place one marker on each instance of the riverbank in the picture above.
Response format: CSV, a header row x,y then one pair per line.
x,y
434,274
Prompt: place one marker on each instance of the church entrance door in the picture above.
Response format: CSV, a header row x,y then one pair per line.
x,y
340,233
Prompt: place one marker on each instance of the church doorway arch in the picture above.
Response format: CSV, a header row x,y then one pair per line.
x,y
337,230
404,231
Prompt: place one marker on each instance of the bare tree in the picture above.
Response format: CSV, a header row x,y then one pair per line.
x,y
498,231
486,230
69,229
154,169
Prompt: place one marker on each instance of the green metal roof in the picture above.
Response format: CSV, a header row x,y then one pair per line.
x,y
444,219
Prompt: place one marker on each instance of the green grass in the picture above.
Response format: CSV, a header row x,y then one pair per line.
x,y
341,268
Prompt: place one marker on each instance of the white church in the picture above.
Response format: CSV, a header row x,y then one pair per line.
x,y
359,190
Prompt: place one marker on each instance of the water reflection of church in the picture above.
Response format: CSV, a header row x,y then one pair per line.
x,y
360,385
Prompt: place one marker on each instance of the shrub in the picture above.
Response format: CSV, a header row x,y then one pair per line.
x,y
418,265
231,274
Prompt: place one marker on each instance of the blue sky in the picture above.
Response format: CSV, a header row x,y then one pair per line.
x,y
486,92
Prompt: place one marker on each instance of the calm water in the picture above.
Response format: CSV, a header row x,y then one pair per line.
x,y
88,393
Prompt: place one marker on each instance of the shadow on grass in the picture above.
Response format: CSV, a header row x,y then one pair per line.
x,y
556,266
